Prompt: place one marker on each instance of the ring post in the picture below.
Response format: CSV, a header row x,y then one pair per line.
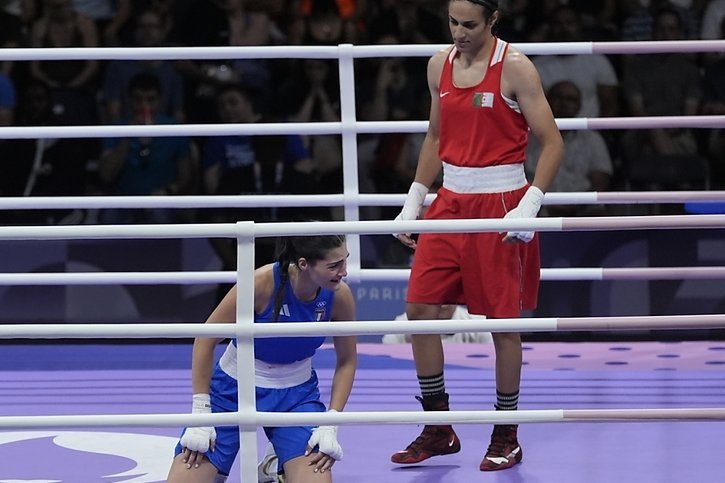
x,y
350,181
245,350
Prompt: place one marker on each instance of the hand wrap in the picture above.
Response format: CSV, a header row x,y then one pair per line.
x,y
528,207
199,439
325,438
413,203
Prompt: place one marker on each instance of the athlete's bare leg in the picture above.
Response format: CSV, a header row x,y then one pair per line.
x,y
427,348
508,361
179,473
298,470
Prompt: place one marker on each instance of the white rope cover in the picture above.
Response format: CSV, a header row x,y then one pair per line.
x,y
370,327
369,274
356,51
328,200
271,230
252,420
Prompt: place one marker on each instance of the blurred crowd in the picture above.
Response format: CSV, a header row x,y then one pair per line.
x,y
97,92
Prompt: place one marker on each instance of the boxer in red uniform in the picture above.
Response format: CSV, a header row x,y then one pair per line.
x,y
486,96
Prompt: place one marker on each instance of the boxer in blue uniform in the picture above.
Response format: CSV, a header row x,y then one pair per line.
x,y
304,284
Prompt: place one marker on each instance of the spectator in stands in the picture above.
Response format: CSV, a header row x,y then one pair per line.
x,y
714,105
714,14
229,164
593,74
514,21
312,95
637,18
412,21
235,165
110,16
150,31
146,166
16,17
598,18
8,183
711,28
7,100
387,89
661,85
539,15
348,9
219,23
43,166
586,165
72,82
323,22
393,93
62,26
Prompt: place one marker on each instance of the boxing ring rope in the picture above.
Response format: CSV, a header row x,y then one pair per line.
x,y
366,274
367,227
365,417
360,327
327,200
247,417
323,128
358,51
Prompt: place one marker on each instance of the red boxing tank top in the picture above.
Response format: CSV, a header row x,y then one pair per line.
x,y
478,128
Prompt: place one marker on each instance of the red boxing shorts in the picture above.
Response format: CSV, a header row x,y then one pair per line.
x,y
478,270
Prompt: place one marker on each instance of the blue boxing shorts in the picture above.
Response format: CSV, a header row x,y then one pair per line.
x,y
289,442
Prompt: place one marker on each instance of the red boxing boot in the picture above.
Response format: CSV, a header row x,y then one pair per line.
x,y
504,450
435,440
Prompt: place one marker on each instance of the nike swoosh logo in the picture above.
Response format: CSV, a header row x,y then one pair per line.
x,y
444,94
498,460
451,442
504,459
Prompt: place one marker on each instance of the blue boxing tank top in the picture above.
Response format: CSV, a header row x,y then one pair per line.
x,y
286,350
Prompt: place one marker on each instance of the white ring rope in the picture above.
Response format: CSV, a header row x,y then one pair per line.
x,y
267,230
367,327
377,199
357,51
188,201
321,128
329,200
367,274
252,420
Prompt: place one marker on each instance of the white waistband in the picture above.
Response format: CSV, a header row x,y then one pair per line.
x,y
275,376
491,179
